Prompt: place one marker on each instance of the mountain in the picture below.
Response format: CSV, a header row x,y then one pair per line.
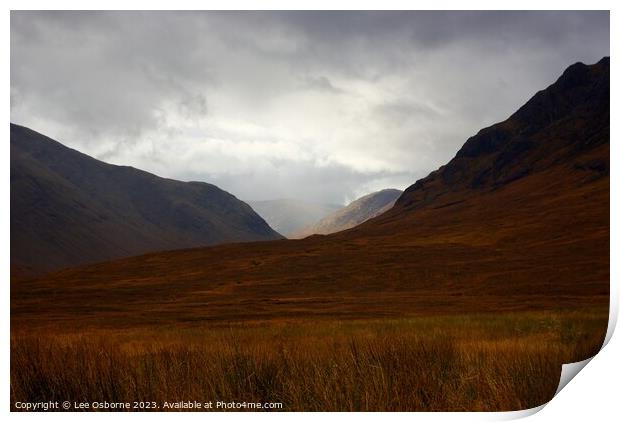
x,y
69,209
565,123
358,211
288,216
517,220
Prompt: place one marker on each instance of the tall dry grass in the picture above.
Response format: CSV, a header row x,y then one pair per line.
x,y
484,362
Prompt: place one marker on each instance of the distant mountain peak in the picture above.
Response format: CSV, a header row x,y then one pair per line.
x,y
357,212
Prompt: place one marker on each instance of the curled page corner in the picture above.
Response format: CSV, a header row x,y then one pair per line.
x,y
613,316
569,371
519,414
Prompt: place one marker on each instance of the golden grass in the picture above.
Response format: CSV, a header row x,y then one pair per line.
x,y
481,362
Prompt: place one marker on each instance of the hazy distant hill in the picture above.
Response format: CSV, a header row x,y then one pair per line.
x,y
355,213
68,208
288,216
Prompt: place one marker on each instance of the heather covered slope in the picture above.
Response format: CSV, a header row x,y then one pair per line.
x,y
69,209
518,220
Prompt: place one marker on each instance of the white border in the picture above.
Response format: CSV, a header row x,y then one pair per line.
x,y
590,396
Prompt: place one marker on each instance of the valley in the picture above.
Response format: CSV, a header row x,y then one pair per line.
x,y
468,294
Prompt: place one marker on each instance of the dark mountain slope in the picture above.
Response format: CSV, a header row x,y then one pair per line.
x,y
68,209
558,125
518,220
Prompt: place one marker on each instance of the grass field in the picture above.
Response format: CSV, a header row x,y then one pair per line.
x,y
481,362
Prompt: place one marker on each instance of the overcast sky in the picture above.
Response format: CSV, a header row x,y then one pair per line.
x,y
322,106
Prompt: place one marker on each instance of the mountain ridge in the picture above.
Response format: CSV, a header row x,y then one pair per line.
x,y
497,148
68,208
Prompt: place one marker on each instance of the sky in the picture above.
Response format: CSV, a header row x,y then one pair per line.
x,y
318,106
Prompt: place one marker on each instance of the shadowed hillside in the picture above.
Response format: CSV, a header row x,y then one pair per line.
x,y
68,209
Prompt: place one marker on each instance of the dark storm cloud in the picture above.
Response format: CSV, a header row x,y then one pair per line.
x,y
327,105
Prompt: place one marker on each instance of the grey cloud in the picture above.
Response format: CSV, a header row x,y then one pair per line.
x,y
320,83
401,111
267,104
331,184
